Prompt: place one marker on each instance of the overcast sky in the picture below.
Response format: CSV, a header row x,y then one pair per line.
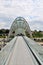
x,y
31,10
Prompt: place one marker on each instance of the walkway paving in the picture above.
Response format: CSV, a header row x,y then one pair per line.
x,y
21,54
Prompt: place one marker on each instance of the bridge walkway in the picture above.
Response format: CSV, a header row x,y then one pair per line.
x,y
21,54
21,51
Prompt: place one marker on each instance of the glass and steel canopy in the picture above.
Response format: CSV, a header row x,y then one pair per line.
x,y
19,25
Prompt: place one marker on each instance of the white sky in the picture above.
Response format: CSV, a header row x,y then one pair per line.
x,y
31,10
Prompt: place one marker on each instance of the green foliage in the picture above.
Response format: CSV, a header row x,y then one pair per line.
x,y
12,36
2,36
37,34
4,33
27,34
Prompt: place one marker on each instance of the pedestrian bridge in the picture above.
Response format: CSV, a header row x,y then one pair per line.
x,y
21,50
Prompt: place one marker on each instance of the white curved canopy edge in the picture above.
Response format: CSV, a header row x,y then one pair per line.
x,y
19,25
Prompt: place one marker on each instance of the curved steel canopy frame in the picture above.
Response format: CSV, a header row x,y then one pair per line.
x,y
19,24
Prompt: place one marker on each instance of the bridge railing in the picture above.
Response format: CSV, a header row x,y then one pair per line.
x,y
5,52
36,49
